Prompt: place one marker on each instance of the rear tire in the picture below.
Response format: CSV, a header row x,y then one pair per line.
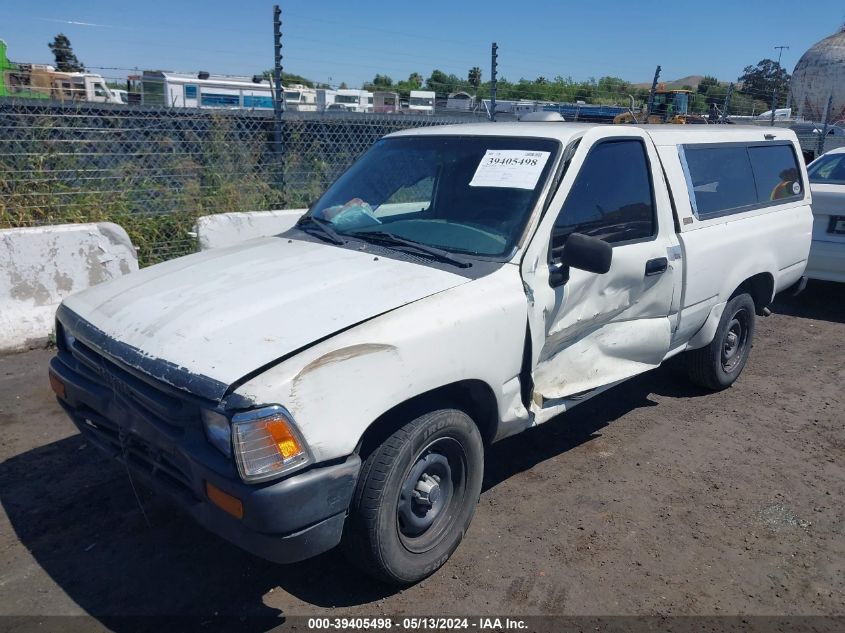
x,y
415,497
718,365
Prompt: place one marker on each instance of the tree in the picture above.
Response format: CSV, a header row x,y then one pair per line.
x,y
289,79
66,60
474,77
438,80
382,81
416,79
763,79
706,83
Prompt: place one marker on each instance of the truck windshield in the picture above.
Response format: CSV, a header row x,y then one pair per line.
x,y
464,194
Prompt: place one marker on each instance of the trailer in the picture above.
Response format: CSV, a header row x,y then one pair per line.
x,y
421,102
42,81
202,90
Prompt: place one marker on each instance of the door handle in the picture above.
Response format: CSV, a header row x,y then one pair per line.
x,y
656,266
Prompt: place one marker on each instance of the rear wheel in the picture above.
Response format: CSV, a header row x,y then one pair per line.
x,y
415,497
719,364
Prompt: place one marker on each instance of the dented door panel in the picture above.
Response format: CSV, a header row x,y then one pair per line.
x,y
598,329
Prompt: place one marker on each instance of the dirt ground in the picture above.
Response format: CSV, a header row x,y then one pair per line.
x,y
654,498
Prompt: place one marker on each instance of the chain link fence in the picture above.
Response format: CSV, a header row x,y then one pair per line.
x,y
154,170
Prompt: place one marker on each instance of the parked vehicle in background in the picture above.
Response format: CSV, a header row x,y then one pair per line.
x,y
461,101
42,81
121,94
809,128
353,99
827,182
421,102
457,285
385,102
81,87
299,98
203,90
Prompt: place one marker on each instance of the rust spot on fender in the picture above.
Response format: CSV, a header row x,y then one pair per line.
x,y
345,353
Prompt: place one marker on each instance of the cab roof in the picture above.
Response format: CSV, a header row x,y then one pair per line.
x,y
667,134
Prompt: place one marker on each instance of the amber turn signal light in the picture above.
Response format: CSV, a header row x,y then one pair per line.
x,y
224,501
57,385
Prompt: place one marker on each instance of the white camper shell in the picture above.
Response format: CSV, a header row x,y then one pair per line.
x,y
337,383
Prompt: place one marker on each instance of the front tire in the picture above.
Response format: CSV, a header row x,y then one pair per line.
x,y
415,497
718,365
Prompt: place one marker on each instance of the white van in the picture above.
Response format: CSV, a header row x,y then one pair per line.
x,y
457,285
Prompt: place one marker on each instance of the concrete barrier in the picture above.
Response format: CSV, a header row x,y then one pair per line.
x,y
40,266
225,229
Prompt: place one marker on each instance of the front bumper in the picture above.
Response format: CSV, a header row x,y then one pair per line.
x,y
157,432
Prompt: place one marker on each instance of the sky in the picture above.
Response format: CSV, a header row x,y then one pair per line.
x,y
350,41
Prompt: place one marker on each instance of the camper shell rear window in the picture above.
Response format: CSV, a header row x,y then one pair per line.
x,y
728,178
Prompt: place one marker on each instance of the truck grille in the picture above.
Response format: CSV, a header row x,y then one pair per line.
x,y
143,402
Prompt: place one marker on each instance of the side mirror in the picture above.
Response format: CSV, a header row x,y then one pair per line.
x,y
582,252
587,253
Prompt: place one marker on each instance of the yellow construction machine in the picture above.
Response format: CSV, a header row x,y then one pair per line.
x,y
667,106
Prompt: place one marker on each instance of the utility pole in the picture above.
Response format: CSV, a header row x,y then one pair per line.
x,y
775,88
650,104
825,127
727,107
278,94
493,81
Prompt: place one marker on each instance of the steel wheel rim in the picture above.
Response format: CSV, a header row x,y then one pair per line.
x,y
431,495
735,341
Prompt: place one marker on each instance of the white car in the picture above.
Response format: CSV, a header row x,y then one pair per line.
x,y
457,285
827,182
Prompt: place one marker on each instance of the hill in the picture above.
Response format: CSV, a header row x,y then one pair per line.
x,y
689,80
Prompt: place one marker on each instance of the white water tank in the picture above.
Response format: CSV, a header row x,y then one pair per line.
x,y
819,74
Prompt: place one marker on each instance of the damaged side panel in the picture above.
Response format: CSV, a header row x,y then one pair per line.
x,y
604,328
595,330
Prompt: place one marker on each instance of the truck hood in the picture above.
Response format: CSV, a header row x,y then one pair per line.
x,y
201,322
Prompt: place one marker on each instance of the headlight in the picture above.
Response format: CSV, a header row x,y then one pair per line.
x,y
267,443
217,431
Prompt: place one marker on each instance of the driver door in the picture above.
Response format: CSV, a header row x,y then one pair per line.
x,y
597,329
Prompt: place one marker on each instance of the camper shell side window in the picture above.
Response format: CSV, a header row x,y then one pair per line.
x,y
728,178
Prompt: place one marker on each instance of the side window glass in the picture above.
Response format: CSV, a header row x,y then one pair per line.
x,y
728,179
721,178
775,172
611,198
829,169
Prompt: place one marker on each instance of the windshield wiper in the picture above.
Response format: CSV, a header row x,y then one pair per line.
x,y
383,237
325,227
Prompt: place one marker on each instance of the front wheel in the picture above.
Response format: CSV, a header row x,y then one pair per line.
x,y
717,365
415,497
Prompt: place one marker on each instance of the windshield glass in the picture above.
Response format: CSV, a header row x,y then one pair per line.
x,y
464,194
828,169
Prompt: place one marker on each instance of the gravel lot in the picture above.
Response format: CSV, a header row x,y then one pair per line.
x,y
654,498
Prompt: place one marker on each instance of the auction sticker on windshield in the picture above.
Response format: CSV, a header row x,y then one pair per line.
x,y
511,168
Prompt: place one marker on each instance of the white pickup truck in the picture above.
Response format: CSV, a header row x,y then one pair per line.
x,y
457,285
